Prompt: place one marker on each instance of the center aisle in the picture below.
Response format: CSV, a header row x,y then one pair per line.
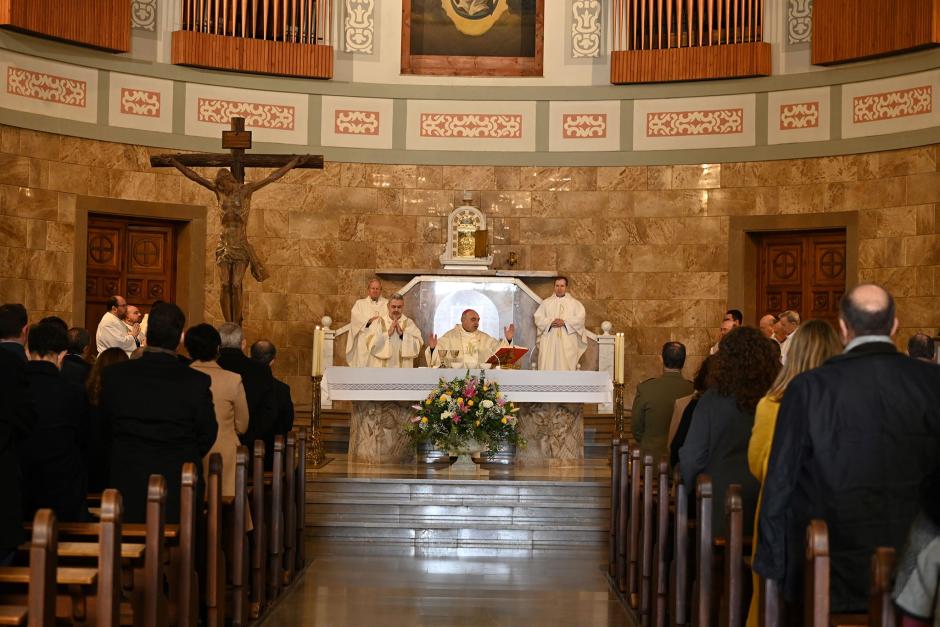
x,y
365,584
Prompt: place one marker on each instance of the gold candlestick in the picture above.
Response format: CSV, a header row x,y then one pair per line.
x,y
618,410
315,453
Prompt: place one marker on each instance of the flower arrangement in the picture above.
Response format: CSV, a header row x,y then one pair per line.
x,y
464,409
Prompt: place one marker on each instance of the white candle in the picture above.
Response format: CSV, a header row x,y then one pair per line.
x,y
317,367
619,348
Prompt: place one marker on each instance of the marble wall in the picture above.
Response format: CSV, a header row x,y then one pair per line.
x,y
645,247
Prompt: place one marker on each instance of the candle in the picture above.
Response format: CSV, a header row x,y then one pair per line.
x,y
619,349
317,367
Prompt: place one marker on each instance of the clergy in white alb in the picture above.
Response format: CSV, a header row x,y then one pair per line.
x,y
364,313
559,322
113,332
394,340
466,345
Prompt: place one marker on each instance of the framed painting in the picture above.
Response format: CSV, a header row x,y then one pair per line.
x,y
472,37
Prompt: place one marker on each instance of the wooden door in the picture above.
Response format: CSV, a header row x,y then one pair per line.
x,y
803,271
133,257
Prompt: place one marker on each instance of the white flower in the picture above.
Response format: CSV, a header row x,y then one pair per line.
x,y
446,414
486,404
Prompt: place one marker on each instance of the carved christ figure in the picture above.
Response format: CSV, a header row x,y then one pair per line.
x,y
234,253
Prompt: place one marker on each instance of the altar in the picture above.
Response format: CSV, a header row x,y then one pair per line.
x,y
550,416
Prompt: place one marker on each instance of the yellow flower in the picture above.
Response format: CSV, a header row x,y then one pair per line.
x,y
427,402
424,420
443,398
476,423
470,402
504,421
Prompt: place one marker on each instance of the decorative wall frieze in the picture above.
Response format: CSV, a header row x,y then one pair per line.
x,y
799,21
891,105
356,122
144,15
58,90
800,115
140,102
273,116
359,26
470,125
708,122
473,125
585,28
584,126
47,87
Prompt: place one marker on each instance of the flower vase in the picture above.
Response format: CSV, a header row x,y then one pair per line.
x,y
464,463
505,455
428,453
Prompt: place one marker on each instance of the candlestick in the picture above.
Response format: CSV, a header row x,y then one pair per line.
x,y
316,368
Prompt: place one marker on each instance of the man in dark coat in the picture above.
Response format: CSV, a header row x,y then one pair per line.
x,y
51,458
75,366
855,439
264,352
161,416
16,419
259,389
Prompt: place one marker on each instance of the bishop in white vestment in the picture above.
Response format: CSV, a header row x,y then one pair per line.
x,y
465,344
394,340
559,322
365,312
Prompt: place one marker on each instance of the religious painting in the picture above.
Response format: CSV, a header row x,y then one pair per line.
x,y
472,37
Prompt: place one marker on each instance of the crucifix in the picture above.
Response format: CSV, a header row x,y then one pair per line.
x,y
234,253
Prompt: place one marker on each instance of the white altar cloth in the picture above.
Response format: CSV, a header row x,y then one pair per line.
x,y
414,384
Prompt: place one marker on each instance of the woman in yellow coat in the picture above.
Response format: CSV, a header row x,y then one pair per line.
x,y
814,342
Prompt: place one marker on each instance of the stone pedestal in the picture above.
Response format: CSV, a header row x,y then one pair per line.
x,y
554,432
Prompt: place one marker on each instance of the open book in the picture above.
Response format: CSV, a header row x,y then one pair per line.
x,y
507,356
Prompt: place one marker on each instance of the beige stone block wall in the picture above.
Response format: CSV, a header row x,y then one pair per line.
x,y
645,247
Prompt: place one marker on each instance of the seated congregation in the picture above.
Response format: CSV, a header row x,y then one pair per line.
x,y
811,487
158,489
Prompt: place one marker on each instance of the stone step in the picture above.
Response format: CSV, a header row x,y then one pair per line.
x,y
452,536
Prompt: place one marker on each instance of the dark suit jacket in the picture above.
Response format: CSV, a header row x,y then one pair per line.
x,y
262,399
161,415
16,419
285,407
51,458
75,369
855,439
716,445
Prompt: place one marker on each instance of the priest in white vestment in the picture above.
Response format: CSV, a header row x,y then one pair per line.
x,y
559,323
394,340
364,314
466,345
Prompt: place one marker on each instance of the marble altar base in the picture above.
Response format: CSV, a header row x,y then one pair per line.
x,y
554,432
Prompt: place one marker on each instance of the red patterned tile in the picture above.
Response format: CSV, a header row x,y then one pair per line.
x,y
257,115
584,125
799,115
892,104
140,102
694,123
471,125
46,87
355,122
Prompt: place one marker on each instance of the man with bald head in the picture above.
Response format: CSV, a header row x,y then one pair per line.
x,y
364,314
466,345
854,442
767,325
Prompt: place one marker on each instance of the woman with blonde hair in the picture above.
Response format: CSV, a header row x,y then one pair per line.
x,y
812,343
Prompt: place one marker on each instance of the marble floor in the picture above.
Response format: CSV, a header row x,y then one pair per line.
x,y
363,584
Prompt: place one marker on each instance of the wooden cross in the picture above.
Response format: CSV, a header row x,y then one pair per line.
x,y
237,141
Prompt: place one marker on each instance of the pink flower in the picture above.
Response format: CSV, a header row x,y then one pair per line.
x,y
416,419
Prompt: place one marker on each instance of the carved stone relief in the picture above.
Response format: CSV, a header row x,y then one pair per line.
x,y
144,15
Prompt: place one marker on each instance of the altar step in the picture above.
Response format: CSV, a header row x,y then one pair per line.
x,y
598,431
459,512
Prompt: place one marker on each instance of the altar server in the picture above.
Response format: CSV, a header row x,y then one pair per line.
x,y
466,345
394,340
364,314
559,322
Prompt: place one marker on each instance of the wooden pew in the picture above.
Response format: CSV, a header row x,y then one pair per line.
x,y
215,560
881,610
276,524
661,553
633,530
154,613
733,603
704,554
290,509
108,597
238,551
258,544
679,572
614,504
623,512
646,543
39,610
300,552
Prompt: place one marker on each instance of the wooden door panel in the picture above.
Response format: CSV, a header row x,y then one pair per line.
x,y
133,257
803,271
